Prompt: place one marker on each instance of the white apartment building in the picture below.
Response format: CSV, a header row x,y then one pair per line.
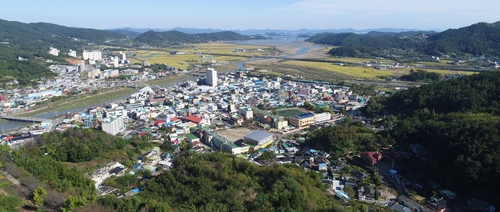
x,y
113,125
123,56
211,77
72,53
54,51
92,55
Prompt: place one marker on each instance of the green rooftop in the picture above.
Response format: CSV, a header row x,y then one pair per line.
x,y
191,136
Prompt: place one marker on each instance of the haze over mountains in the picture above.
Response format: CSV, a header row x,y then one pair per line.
x,y
132,32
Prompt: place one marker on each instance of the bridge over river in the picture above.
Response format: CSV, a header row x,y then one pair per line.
x,y
23,119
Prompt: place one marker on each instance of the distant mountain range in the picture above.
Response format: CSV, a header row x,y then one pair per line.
x,y
175,37
477,39
132,32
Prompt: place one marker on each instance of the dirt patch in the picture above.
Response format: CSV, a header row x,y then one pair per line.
x,y
73,61
235,134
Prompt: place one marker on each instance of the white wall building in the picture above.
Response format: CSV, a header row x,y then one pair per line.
x,y
113,125
54,51
323,117
92,55
123,56
72,53
211,77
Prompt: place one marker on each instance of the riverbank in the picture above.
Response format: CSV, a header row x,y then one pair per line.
x,y
103,97
79,102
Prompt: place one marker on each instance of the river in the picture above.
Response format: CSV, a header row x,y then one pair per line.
x,y
303,46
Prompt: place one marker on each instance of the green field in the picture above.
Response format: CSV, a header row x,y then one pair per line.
x,y
359,71
289,112
193,51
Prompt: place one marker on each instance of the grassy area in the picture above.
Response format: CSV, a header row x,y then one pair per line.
x,y
354,71
167,80
2,121
81,101
289,112
192,52
362,72
360,60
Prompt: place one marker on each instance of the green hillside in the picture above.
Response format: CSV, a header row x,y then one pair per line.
x,y
32,42
477,39
457,123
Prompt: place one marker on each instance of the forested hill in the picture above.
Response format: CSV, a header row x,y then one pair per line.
x,y
378,40
34,35
477,39
479,93
176,37
457,122
32,41
222,182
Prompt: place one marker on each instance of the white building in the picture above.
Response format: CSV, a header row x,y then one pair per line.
x,y
211,77
123,56
92,55
72,53
323,117
115,61
54,51
113,125
246,112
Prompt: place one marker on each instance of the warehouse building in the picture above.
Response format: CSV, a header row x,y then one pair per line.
x,y
258,139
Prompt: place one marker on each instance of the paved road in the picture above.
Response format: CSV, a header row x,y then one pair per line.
x,y
383,169
16,183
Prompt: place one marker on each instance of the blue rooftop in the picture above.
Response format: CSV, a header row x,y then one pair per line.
x,y
306,115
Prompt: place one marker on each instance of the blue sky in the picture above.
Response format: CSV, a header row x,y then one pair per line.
x,y
255,14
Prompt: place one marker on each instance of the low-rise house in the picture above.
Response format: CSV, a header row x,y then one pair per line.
x,y
437,204
371,158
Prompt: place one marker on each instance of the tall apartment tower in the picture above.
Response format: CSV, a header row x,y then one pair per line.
x,y
211,77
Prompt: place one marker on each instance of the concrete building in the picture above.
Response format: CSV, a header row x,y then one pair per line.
x,y
72,53
303,120
123,56
92,55
246,112
112,125
211,77
323,117
259,139
54,51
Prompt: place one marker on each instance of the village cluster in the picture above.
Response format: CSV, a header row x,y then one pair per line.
x,y
233,112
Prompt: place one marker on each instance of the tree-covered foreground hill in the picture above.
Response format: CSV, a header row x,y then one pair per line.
x,y
457,122
222,182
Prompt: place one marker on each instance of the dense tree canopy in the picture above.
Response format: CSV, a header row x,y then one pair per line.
x,y
457,123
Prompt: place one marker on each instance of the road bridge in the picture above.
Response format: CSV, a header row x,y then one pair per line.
x,y
22,119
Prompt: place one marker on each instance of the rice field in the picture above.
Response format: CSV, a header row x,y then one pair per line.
x,y
362,72
360,60
354,71
192,54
